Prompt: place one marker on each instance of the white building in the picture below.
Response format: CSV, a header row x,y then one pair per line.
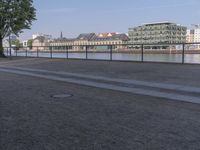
x,y
197,35
190,36
25,43
193,36
5,43
40,43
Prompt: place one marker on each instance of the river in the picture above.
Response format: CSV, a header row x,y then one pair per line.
x,y
174,58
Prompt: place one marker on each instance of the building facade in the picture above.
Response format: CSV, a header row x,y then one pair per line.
x,y
93,41
197,35
6,43
157,33
118,40
25,43
40,43
61,44
190,36
193,36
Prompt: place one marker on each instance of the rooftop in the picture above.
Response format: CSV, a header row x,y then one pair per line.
x,y
95,37
158,23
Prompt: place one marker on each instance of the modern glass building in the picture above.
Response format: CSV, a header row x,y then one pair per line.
x,y
158,33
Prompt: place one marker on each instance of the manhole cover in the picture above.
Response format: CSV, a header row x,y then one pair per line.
x,y
62,95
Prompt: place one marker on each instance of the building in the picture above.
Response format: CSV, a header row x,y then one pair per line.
x,y
40,43
13,37
95,41
5,43
190,36
25,43
62,44
193,36
34,36
197,35
157,33
10,40
82,40
115,39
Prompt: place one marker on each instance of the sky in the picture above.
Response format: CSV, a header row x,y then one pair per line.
x,y
73,17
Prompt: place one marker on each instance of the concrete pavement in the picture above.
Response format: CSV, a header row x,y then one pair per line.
x,y
96,118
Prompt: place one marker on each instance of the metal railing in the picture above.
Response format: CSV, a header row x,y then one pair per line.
x,y
172,53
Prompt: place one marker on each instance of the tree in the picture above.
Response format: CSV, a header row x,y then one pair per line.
x,y
29,43
17,43
15,16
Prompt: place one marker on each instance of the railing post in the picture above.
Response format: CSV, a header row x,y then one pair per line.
x,y
37,52
111,52
16,52
10,51
142,53
183,54
86,52
26,52
51,52
67,54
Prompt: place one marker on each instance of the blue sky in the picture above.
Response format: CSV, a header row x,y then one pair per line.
x,y
81,16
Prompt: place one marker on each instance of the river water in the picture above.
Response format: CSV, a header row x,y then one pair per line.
x,y
175,58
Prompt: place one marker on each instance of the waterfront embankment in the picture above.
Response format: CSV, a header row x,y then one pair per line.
x,y
108,105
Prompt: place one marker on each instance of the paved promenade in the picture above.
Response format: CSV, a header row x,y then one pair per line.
x,y
111,105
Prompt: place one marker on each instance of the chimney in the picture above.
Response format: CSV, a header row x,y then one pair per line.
x,y
61,35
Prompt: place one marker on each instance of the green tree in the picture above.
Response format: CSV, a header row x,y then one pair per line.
x,y
15,16
17,43
29,43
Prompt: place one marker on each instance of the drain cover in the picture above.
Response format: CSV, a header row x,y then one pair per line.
x,y
62,95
